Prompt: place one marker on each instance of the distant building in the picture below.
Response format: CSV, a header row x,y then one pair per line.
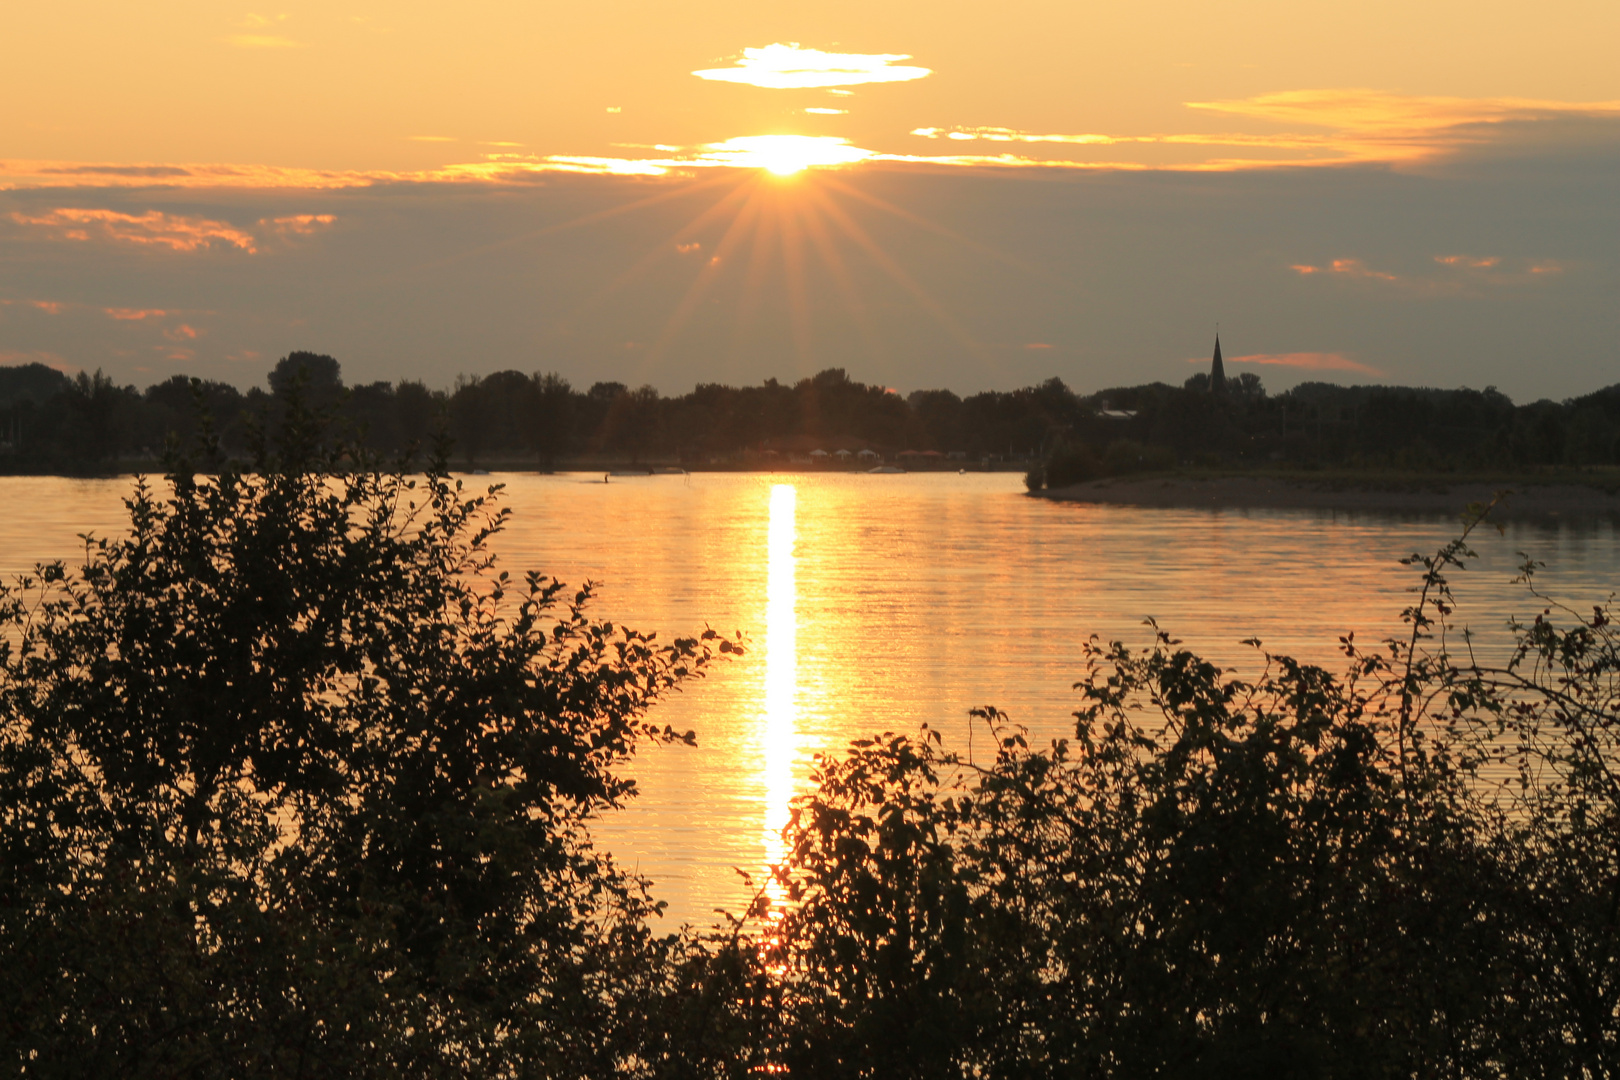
x,y
1217,372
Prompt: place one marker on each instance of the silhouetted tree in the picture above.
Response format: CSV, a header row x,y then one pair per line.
x,y
293,783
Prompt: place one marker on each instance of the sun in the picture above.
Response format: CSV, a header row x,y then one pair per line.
x,y
784,155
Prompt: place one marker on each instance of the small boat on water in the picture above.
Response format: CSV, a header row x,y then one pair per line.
x,y
886,470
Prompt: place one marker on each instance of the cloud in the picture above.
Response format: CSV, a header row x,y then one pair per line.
x,y
827,112
1350,268
1362,126
1373,125
431,138
125,314
1351,127
60,174
182,333
49,307
1305,361
144,172
298,224
780,154
153,228
1462,273
789,67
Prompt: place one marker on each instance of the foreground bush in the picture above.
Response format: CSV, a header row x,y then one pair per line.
x,y
293,783
1409,869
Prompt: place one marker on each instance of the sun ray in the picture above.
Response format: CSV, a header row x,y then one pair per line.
x,y
766,236
896,272
934,227
798,297
706,277
678,191
660,251
838,270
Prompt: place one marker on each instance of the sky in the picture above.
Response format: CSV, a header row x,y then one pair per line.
x,y
926,195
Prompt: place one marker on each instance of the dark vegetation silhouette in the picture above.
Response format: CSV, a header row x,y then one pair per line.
x,y
50,422
295,781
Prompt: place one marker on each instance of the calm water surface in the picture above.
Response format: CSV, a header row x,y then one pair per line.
x,y
876,603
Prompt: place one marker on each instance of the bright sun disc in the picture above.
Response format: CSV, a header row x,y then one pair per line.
x,y
785,155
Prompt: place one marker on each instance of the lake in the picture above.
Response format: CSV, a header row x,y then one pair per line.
x,y
876,603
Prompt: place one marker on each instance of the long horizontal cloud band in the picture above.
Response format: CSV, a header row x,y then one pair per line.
x,y
1305,361
1366,128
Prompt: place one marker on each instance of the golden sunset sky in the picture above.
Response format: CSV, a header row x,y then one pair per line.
x,y
1405,192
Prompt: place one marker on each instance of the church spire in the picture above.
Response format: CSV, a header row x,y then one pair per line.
x,y
1217,372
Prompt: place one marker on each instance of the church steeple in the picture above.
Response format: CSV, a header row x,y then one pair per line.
x,y
1217,372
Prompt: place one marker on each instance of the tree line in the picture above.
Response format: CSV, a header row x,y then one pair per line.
x,y
296,781
52,422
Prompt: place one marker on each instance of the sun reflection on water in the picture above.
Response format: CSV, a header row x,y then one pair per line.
x,y
781,675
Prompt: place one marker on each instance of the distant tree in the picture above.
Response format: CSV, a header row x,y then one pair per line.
x,y
420,413
96,423
322,375
940,414
372,410
549,430
1246,387
470,417
509,409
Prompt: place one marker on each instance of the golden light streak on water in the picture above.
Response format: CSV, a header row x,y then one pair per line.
x,y
780,719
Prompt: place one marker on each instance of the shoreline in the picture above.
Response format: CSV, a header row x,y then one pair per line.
x,y
1419,496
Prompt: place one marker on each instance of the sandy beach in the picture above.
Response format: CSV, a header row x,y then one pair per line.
x,y
1272,493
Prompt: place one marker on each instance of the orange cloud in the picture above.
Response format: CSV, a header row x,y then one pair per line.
x,y
1306,361
182,333
134,314
1477,271
298,224
153,228
1353,268
50,307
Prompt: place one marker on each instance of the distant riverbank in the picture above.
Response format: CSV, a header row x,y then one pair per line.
x,y
1555,496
